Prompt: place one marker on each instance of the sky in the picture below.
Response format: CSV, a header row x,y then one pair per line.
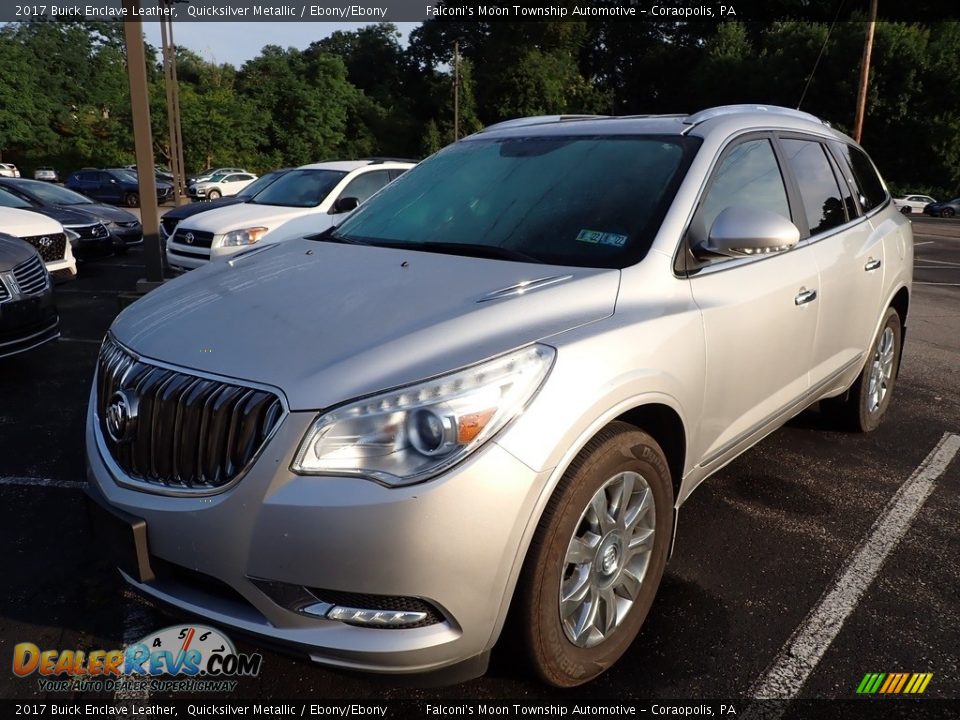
x,y
237,42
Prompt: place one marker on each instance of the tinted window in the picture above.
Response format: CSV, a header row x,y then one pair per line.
x,y
8,199
575,200
818,186
748,176
363,186
233,178
300,188
87,176
865,177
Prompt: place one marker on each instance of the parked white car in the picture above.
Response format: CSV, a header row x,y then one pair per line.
x,y
9,170
912,203
47,235
47,174
220,185
322,192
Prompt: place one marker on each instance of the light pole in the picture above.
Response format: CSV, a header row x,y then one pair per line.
x,y
865,73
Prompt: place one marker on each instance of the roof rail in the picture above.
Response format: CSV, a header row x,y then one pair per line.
x,y
376,160
711,113
540,120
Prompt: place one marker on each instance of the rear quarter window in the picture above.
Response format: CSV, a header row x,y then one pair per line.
x,y
865,177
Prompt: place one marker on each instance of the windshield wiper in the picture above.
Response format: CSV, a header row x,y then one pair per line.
x,y
495,252
329,236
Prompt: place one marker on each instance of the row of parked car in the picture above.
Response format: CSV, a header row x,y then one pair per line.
x,y
42,226
928,206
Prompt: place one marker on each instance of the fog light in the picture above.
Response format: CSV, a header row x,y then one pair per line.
x,y
375,618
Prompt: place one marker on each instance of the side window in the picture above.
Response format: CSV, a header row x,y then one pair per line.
x,y
748,175
394,174
86,176
865,177
103,178
365,185
818,186
232,178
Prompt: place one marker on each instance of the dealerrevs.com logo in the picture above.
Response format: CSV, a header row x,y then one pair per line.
x,y
182,658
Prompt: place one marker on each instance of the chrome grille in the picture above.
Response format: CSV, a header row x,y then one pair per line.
x,y
4,293
51,247
31,276
196,238
127,224
191,434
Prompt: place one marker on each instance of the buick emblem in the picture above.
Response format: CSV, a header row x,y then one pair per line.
x,y
121,416
189,238
45,242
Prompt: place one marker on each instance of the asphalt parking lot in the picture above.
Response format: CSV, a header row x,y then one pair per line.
x,y
763,546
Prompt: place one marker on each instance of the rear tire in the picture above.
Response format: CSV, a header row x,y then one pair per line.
x,y
602,543
132,199
862,408
906,210
947,213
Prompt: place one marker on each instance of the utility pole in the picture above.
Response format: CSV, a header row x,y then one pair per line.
x,y
865,73
143,141
173,107
456,90
171,112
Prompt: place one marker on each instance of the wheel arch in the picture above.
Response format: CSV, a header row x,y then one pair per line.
x,y
901,303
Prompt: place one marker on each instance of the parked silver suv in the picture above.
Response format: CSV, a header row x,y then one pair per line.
x,y
491,388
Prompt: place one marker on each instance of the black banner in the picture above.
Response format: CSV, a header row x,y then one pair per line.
x,y
651,11
374,709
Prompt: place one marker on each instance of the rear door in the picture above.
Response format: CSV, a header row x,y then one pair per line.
x,y
849,253
759,313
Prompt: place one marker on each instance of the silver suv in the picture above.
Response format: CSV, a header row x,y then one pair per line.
x,y
490,389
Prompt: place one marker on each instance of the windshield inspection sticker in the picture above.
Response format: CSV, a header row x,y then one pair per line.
x,y
601,238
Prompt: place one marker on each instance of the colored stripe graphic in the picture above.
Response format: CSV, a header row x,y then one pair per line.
x,y
894,683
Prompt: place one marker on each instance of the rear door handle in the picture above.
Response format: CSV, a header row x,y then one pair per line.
x,y
805,296
872,265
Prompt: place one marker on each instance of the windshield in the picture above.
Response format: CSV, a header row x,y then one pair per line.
x,y
259,184
53,194
8,199
300,188
591,201
127,175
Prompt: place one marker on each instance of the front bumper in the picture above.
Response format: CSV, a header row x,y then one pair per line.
x,y
129,235
452,542
28,323
190,257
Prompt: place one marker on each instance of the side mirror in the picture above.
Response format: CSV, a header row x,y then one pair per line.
x,y
743,231
344,204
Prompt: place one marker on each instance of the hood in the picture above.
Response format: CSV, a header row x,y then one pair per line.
x,y
185,211
326,323
106,213
244,215
13,251
27,223
65,216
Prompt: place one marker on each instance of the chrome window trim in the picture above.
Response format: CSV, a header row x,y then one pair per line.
x,y
124,480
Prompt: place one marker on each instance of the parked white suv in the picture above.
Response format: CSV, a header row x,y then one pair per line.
x,y
47,235
220,185
9,170
491,388
321,194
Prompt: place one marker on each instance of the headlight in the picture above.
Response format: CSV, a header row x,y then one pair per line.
x,y
411,434
247,236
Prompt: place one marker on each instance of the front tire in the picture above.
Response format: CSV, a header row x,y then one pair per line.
x,y
863,407
597,558
132,199
947,213
213,195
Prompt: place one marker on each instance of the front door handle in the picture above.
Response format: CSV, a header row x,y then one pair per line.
x,y
805,296
872,265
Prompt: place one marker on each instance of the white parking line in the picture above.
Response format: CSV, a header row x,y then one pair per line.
x,y
940,262
42,482
925,242
799,657
80,340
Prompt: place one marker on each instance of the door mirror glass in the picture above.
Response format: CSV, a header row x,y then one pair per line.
x,y
344,204
742,231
